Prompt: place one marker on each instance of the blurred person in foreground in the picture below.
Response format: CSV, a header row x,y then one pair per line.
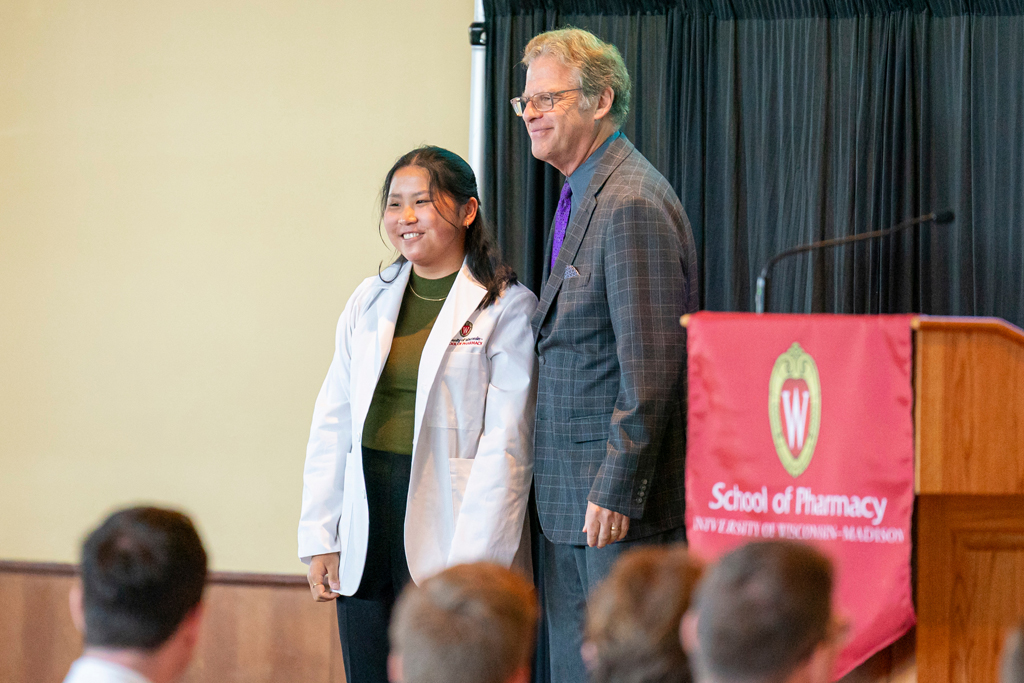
x,y
763,614
472,623
138,601
1012,670
419,455
632,628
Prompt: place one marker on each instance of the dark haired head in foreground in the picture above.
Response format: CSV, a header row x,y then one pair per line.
x,y
138,603
632,631
764,614
1012,670
472,623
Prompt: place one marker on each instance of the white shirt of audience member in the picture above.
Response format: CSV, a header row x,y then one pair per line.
x,y
94,670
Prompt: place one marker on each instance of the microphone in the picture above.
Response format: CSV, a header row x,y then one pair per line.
x,y
762,280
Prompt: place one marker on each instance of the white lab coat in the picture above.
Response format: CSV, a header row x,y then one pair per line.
x,y
472,460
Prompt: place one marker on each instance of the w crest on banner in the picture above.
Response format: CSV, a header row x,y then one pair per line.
x,y
794,408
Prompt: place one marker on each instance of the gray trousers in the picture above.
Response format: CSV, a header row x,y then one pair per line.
x,y
570,573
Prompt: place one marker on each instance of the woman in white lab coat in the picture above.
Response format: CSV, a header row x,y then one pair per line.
x,y
420,452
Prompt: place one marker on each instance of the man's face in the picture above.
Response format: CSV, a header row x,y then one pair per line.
x,y
563,136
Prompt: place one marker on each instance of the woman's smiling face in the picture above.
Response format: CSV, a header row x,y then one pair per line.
x,y
430,232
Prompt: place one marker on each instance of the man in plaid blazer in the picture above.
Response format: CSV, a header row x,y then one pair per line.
x,y
620,271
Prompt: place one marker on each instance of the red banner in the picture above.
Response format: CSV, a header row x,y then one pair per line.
x,y
800,427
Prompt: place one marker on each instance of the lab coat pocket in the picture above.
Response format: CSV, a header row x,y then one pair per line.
x,y
462,391
460,469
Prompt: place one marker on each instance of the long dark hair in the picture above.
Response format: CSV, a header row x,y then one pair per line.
x,y
450,175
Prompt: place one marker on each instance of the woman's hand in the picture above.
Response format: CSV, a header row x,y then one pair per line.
x,y
323,569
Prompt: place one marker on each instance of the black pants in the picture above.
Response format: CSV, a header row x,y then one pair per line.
x,y
363,618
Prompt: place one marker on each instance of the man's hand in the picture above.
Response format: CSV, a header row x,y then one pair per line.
x,y
323,569
603,526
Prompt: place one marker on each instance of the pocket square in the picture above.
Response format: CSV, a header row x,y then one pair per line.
x,y
570,272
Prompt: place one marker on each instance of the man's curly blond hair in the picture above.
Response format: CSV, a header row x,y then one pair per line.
x,y
596,65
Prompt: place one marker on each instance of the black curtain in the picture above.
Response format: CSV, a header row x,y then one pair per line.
x,y
786,121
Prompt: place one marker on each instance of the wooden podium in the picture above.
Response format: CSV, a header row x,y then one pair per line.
x,y
969,477
969,481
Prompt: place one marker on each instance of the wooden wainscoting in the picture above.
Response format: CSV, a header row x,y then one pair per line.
x,y
38,642
258,627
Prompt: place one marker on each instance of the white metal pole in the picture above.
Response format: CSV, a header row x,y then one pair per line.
x,y
477,105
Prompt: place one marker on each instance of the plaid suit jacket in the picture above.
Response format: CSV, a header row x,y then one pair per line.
x,y
611,354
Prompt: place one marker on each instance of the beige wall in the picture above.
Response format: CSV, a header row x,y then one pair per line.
x,y
186,201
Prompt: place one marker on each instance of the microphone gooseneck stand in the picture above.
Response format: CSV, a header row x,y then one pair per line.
x,y
762,280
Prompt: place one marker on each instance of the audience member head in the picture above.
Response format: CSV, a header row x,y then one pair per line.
x,y
142,577
632,631
763,614
1012,670
472,623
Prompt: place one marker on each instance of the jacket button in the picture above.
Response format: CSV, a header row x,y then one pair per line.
x,y
541,360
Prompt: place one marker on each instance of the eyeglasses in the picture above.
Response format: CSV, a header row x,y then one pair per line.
x,y
542,101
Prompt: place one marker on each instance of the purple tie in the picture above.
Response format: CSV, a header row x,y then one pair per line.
x,y
561,221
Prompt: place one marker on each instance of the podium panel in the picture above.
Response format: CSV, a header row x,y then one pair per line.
x,y
970,584
969,425
969,406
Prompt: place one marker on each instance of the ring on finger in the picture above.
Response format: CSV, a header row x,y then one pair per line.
x,y
317,584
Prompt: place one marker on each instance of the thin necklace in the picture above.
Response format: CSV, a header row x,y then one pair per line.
x,y
420,296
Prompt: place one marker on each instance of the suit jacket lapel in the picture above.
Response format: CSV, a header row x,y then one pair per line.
x,y
548,246
617,151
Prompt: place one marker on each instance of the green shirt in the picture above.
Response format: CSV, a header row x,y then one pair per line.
x,y
391,417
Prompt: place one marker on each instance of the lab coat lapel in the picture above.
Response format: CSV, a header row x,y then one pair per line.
x,y
463,300
388,305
